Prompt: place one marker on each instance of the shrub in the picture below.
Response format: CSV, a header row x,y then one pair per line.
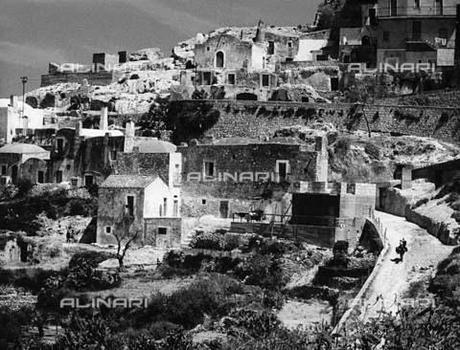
x,y
24,186
261,270
213,241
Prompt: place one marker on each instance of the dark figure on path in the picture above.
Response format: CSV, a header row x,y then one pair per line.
x,y
402,249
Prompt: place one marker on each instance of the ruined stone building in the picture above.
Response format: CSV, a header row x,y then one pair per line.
x,y
139,204
23,161
225,176
18,119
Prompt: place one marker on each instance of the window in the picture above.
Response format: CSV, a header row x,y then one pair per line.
x,y
74,181
162,231
176,208
108,230
41,177
165,206
113,155
206,78
265,80
393,7
231,79
386,36
209,169
290,44
4,169
220,62
372,17
130,205
416,30
3,181
59,176
60,145
89,180
203,201
271,48
417,4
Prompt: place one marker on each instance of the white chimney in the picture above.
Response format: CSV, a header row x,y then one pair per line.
x,y
14,101
104,122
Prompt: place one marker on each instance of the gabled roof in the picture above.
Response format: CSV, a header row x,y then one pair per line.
x,y
128,181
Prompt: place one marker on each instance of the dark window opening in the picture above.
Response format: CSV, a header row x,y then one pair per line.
x,y
41,177
203,201
113,155
108,230
60,145
321,57
59,176
220,59
393,7
130,205
176,208
207,78
162,231
417,4
231,79
271,48
209,169
4,169
89,180
372,17
165,206
334,84
265,80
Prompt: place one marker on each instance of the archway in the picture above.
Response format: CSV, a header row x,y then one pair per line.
x,y
220,59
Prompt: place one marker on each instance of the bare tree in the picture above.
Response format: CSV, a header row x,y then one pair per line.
x,y
125,236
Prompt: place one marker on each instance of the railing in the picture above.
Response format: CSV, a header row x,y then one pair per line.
x,y
258,217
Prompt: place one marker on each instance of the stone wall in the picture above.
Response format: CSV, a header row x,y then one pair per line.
x,y
262,119
171,239
143,164
100,78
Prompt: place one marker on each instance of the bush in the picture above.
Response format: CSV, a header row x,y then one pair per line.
x,y
213,241
24,186
261,270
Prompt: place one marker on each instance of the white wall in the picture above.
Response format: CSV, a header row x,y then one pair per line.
x,y
154,198
306,46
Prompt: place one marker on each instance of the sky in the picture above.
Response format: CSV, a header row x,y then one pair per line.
x,y
36,32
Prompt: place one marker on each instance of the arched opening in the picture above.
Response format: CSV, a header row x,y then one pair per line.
x,y
220,59
246,96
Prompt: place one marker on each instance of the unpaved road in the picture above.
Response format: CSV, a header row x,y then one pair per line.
x,y
392,280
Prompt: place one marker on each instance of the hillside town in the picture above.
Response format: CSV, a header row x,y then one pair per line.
x,y
259,187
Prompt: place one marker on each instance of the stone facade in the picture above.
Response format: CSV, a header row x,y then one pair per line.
x,y
152,207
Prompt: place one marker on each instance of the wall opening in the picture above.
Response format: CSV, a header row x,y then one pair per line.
x,y
220,59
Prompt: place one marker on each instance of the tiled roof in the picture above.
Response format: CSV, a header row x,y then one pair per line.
x,y
127,181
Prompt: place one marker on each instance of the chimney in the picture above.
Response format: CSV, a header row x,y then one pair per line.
x,y
104,122
130,131
260,34
14,101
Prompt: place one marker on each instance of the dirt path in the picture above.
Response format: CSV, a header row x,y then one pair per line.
x,y
393,279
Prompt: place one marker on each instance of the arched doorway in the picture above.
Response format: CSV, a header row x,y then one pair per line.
x,y
220,59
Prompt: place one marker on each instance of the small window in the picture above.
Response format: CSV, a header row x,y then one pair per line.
x,y
41,177
290,44
165,206
113,155
4,169
175,208
209,169
108,230
89,180
60,145
231,79
220,61
74,181
416,30
162,231
417,4
271,48
265,80
203,201
386,36
59,176
130,205
207,78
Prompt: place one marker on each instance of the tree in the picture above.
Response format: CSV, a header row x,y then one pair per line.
x,y
125,236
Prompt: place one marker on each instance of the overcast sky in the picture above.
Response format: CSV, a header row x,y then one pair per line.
x,y
35,32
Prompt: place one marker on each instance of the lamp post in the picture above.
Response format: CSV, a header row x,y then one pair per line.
x,y
24,82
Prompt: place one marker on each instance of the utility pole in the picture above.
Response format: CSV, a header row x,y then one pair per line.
x,y
24,82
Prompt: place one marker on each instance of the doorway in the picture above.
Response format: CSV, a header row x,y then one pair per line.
x,y
224,209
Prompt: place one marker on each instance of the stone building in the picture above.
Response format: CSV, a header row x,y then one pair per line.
x,y
225,177
152,207
23,161
422,31
85,156
17,119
